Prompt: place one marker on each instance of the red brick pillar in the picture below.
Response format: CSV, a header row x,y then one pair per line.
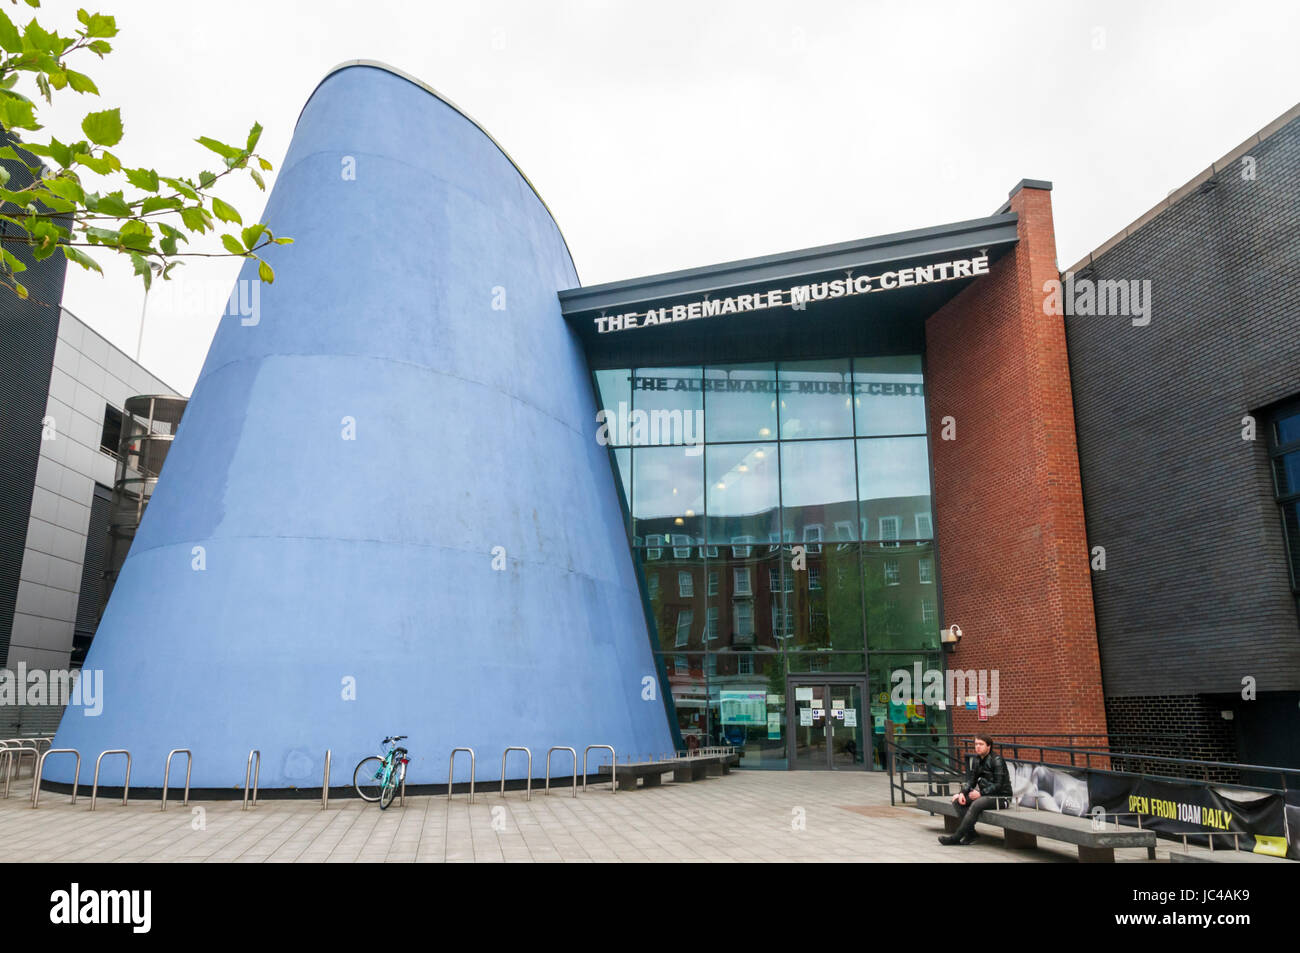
x,y
1012,547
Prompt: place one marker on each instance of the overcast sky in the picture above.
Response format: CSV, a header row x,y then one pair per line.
x,y
670,135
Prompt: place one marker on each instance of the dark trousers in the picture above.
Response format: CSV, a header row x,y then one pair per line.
x,y
970,812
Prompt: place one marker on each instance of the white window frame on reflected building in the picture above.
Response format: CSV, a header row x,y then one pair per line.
x,y
929,526
896,524
739,573
925,570
687,616
685,584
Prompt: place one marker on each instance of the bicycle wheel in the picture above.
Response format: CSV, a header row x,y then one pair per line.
x,y
389,789
368,778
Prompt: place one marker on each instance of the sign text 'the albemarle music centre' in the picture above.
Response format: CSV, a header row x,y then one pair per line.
x,y
797,295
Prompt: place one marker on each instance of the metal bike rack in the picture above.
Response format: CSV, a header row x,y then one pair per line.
x,y
167,770
451,770
529,795
613,759
325,786
126,784
575,768
40,767
249,771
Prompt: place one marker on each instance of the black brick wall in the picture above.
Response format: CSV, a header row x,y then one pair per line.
x,y
1196,593
1172,726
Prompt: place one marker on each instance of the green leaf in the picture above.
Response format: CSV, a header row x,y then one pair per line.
x,y
103,128
251,234
43,87
53,201
257,177
146,179
4,175
17,113
45,239
114,204
81,258
170,237
155,203
9,38
20,291
220,148
35,38
167,272
138,235
58,79
206,179
225,212
100,164
182,187
14,264
60,153
265,273
232,244
81,82
101,236
100,25
196,218
142,268
66,187
253,135
100,47
266,166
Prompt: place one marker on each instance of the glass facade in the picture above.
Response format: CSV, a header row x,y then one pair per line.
x,y
780,518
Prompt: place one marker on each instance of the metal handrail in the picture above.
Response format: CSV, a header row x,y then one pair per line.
x,y
40,768
528,796
167,770
325,785
575,767
126,784
451,770
256,777
613,773
14,761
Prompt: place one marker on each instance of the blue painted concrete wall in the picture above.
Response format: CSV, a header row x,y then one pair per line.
x,y
328,560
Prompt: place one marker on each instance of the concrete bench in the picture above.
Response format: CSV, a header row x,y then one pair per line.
x,y
1023,828
690,768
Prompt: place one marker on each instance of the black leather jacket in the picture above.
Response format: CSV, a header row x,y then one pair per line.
x,y
990,775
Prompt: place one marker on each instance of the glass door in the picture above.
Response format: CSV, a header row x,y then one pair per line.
x,y
827,724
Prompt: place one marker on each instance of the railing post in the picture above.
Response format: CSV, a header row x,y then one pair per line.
x,y
325,785
167,770
575,767
613,766
529,794
255,776
126,785
40,767
451,770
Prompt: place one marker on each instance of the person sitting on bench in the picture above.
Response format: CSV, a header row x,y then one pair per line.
x,y
987,787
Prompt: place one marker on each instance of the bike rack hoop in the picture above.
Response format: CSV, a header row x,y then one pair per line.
x,y
167,770
575,767
256,776
40,766
451,769
529,795
126,784
613,779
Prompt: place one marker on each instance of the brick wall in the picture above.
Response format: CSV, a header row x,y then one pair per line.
x,y
1008,505
1171,726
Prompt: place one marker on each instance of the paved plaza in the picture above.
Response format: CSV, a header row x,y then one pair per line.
x,y
745,816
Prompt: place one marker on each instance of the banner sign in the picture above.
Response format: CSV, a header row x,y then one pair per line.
x,y
1259,818
796,296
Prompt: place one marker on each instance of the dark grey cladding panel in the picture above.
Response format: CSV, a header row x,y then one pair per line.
x,y
919,244
1195,594
28,335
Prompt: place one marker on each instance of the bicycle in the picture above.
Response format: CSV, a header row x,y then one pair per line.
x,y
377,779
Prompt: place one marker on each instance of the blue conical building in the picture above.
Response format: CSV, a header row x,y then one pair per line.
x,y
386,510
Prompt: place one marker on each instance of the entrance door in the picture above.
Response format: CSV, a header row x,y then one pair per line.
x,y
828,720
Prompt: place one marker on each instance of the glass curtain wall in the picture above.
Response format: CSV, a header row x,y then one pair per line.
x,y
780,517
